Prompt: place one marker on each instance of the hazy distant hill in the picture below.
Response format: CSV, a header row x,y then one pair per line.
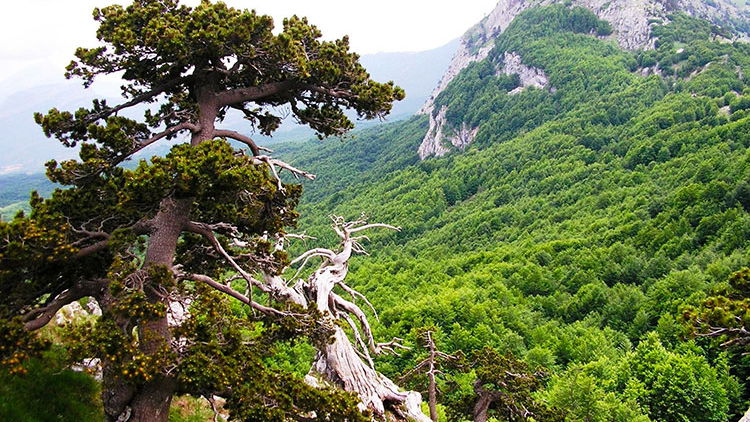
x,y
25,148
417,73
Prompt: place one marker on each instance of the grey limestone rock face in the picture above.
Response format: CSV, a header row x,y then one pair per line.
x,y
529,76
631,22
441,135
477,42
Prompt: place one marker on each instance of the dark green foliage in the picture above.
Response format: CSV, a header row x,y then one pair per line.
x,y
685,29
229,188
17,346
48,391
138,240
542,22
507,384
740,103
725,316
226,352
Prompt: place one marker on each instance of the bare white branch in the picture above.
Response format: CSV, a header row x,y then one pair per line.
x,y
237,295
356,294
282,165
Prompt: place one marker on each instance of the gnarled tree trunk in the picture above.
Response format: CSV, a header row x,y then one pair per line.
x,y
482,406
149,402
339,362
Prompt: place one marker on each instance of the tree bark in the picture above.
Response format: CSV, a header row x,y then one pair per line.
x,y
339,364
432,387
149,402
481,408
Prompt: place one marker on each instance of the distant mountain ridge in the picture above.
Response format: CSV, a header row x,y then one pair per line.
x,y
26,149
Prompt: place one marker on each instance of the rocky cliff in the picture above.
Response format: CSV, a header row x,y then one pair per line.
x,y
631,22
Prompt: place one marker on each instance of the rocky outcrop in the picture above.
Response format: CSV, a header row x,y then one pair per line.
x,y
432,144
462,137
75,311
631,22
441,135
477,42
528,76
629,19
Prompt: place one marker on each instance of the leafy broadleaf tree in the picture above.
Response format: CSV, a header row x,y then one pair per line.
x,y
149,243
666,383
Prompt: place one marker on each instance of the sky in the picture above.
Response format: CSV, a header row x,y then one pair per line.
x,y
40,36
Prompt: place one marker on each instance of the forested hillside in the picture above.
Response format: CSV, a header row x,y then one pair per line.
x,y
580,215
577,225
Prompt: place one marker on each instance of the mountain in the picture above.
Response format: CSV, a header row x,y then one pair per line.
x,y
587,181
417,73
629,22
600,187
25,148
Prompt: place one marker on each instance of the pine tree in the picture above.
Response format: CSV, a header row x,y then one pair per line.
x,y
149,242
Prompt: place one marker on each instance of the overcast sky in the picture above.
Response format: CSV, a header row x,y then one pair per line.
x,y
39,36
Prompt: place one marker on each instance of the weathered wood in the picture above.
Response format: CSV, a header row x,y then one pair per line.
x,y
746,418
339,363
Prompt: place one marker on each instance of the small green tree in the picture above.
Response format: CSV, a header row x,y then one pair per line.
x,y
503,388
431,366
149,243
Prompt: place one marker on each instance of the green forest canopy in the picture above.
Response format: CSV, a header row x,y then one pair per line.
x,y
579,222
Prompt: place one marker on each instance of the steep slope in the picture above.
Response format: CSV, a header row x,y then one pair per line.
x,y
579,221
630,25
